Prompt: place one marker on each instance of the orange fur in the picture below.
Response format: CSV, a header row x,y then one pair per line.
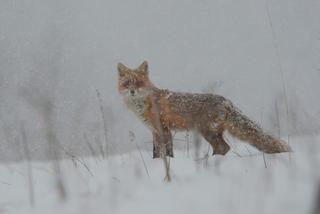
x,y
210,115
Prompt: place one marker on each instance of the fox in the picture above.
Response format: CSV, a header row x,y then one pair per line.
x,y
210,115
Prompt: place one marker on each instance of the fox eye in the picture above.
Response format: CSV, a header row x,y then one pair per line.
x,y
126,84
139,84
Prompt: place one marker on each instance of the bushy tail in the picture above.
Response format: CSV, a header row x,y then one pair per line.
x,y
243,128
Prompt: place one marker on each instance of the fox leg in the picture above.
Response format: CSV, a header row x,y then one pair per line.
x,y
164,140
217,142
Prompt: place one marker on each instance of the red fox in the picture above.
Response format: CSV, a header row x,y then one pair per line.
x,y
208,114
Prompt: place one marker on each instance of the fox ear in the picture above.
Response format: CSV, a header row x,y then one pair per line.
x,y
122,69
144,68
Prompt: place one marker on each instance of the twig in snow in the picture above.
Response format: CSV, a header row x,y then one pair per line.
x,y
236,153
264,160
29,166
277,52
188,143
104,120
86,140
74,157
132,139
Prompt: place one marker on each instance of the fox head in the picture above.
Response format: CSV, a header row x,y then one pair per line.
x,y
134,83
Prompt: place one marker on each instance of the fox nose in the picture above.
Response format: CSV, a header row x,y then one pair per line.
x,y
132,92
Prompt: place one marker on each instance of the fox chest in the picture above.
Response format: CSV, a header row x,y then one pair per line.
x,y
139,106
154,116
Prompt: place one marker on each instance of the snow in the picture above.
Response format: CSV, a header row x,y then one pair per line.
x,y
236,183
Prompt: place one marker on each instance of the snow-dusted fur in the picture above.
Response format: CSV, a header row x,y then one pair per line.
x,y
208,114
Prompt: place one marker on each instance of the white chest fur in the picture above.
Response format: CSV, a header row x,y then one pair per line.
x,y
138,106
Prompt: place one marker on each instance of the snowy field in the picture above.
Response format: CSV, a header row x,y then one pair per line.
x,y
241,182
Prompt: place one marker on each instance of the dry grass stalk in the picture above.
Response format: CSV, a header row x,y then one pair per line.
x,y
104,120
29,166
132,139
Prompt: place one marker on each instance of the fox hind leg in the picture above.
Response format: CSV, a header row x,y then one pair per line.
x,y
217,142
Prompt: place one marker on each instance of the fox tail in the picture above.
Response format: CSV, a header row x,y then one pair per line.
x,y
243,128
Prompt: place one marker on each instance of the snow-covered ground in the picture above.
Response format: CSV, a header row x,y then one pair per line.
x,y
241,182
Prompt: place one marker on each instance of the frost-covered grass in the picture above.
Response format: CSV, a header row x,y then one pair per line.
x,y
236,183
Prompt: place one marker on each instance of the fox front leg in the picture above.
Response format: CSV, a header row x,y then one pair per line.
x,y
162,141
156,149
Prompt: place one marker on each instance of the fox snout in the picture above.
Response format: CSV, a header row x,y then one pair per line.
x,y
129,92
137,92
132,92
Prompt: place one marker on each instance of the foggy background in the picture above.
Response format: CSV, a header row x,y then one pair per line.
x,y
58,53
